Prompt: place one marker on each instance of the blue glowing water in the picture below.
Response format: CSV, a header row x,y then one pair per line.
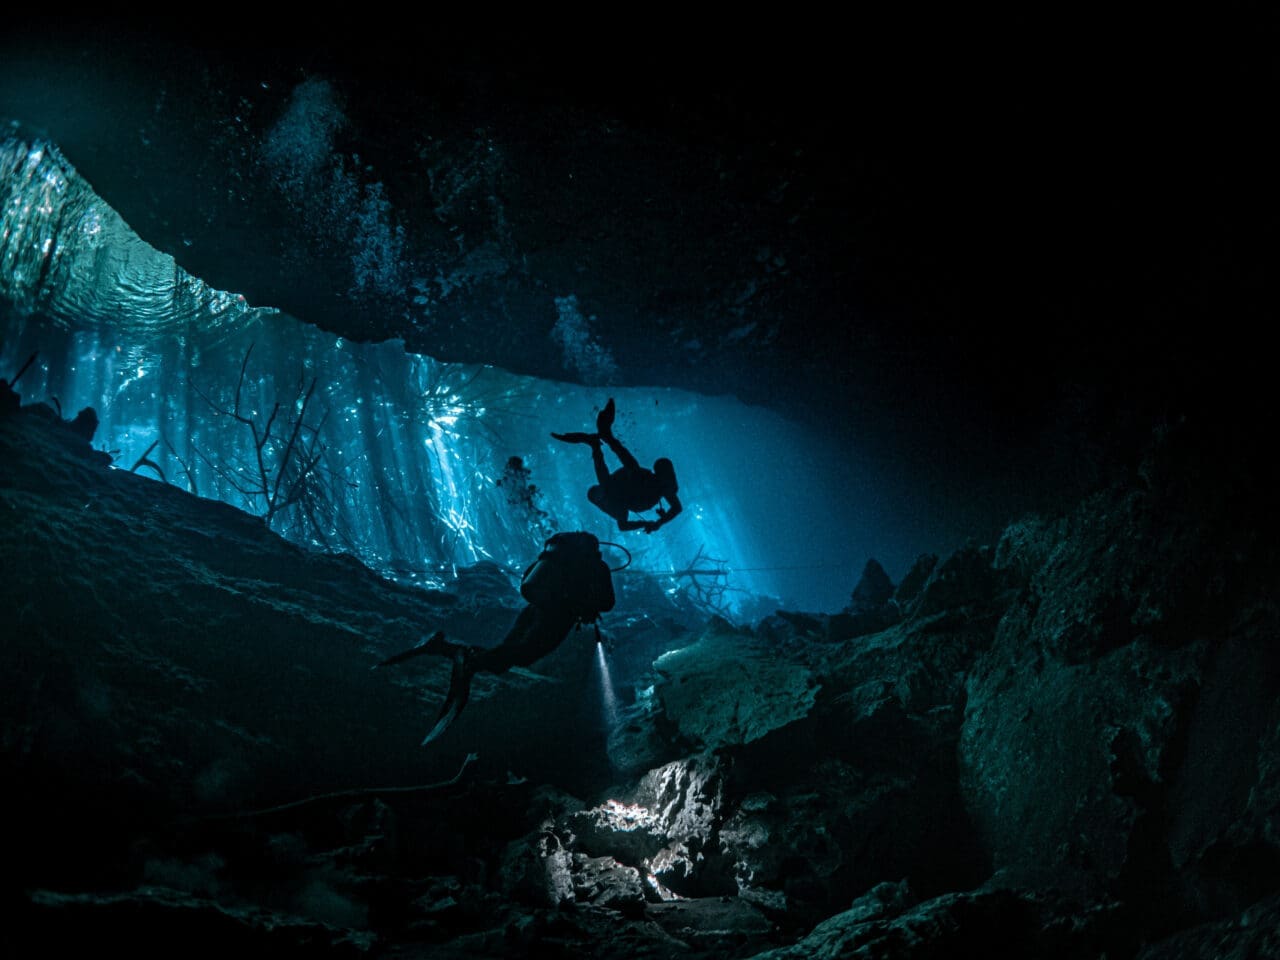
x,y
409,451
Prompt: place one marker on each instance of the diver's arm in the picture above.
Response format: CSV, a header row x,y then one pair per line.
x,y
625,525
665,516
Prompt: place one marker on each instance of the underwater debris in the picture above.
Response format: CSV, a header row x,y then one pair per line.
x,y
524,496
144,461
10,399
290,471
356,793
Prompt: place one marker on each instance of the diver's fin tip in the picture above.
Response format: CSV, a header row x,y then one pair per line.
x,y
459,693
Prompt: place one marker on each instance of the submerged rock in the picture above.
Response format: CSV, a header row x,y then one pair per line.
x,y
984,922
1253,934
667,826
907,592
604,882
1119,734
641,738
729,688
156,921
1068,745
873,591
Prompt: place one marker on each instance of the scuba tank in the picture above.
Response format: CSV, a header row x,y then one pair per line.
x,y
570,574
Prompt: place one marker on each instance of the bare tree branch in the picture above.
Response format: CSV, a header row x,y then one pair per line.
x,y
144,462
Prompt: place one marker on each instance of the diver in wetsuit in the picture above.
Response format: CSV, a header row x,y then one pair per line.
x,y
569,584
631,488
536,633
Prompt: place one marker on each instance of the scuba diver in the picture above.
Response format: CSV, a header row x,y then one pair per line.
x,y
630,488
568,585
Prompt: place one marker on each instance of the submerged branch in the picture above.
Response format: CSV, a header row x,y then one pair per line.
x,y
358,793
144,462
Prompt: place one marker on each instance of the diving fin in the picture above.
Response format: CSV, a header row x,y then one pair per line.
x,y
434,644
604,420
459,692
591,438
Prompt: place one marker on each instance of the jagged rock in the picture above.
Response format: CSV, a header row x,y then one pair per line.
x,y
964,579
1263,807
873,591
922,663
604,882
884,900
665,826
989,922
1119,735
538,870
721,926
805,848
1223,804
1255,933
790,631
729,687
639,741
1026,544
1098,697
84,424
804,624
872,610
484,582
909,589
870,769
589,932
155,921
1059,768
1067,724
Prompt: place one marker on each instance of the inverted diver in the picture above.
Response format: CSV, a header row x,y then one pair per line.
x,y
631,488
569,584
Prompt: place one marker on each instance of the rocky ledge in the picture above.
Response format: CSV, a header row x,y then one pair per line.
x,y
1064,744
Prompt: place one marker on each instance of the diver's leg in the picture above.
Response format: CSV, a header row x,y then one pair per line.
x,y
621,452
604,429
601,502
604,419
597,460
435,645
536,632
595,496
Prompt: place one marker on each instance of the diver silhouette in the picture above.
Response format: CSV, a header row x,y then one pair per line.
x,y
631,488
568,585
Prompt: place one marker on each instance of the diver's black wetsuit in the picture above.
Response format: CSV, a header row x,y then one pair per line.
x,y
631,488
538,630
536,633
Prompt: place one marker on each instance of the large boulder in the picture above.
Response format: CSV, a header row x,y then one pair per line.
x,y
908,591
1254,933
1119,735
991,921
667,826
873,590
729,687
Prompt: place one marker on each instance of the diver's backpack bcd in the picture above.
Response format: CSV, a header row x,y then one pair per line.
x,y
570,574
